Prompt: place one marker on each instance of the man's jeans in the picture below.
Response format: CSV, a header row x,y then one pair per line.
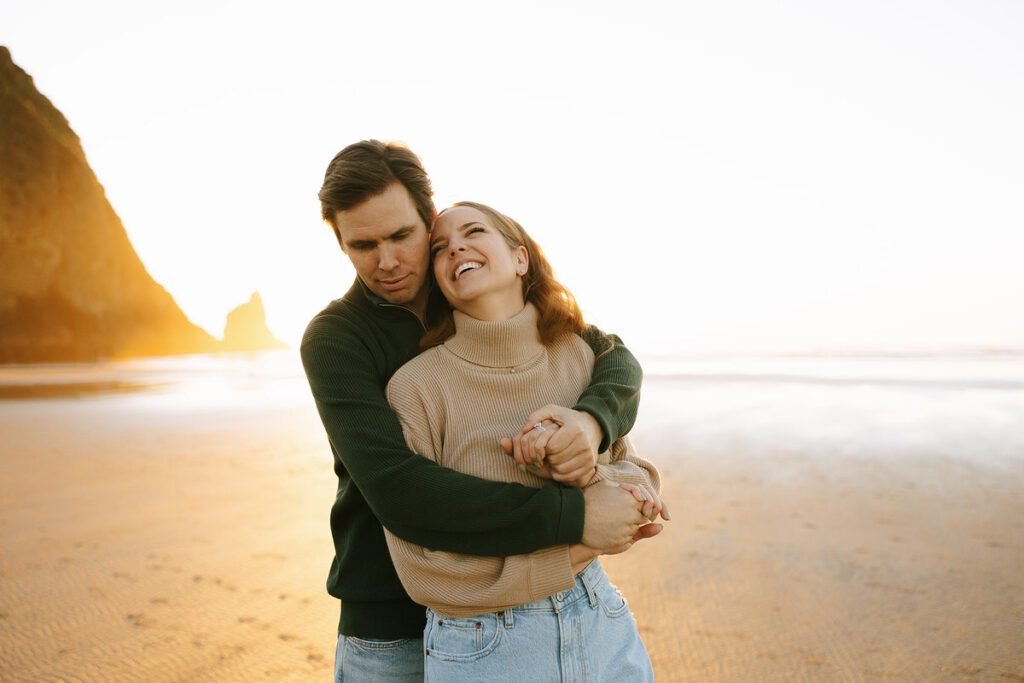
x,y
357,660
583,634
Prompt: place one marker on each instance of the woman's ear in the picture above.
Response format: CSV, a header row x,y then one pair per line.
x,y
522,258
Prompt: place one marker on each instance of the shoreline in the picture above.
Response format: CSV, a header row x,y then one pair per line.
x,y
170,539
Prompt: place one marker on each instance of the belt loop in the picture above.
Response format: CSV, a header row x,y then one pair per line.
x,y
587,580
508,617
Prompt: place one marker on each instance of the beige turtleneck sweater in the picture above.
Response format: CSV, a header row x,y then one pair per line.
x,y
455,402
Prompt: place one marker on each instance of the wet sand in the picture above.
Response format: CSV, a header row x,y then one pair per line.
x,y
192,544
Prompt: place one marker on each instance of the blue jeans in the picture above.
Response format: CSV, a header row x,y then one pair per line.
x,y
357,660
583,634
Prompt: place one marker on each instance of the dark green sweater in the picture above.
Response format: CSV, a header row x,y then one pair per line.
x,y
350,350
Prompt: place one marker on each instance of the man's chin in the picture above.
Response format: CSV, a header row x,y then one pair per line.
x,y
401,297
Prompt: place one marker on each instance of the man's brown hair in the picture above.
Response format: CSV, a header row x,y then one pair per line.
x,y
365,169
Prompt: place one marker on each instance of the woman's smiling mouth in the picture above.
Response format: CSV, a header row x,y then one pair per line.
x,y
463,268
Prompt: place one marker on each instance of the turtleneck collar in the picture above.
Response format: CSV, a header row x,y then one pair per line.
x,y
497,343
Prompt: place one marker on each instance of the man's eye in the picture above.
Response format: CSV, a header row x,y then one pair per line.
x,y
436,249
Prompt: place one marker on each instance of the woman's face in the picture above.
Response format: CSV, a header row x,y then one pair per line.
x,y
478,272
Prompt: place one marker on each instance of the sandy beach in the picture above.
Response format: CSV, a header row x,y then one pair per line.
x,y
180,534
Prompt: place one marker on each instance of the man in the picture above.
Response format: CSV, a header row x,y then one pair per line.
x,y
378,200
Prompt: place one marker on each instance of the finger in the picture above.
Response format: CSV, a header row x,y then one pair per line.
x,y
556,414
517,451
526,446
571,476
647,531
570,437
542,440
635,490
665,513
506,445
653,504
531,448
580,460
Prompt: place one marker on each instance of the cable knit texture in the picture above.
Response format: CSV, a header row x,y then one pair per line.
x,y
455,402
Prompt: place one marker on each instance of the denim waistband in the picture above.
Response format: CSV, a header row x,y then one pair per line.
x,y
587,583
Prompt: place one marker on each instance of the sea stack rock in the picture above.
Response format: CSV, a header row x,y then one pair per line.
x,y
246,328
72,287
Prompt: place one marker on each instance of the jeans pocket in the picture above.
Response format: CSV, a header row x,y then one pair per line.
x,y
611,600
377,645
457,639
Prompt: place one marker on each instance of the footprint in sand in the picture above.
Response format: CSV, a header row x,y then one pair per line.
x,y
159,601
136,619
287,637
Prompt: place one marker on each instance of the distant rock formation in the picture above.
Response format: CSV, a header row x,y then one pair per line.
x,y
246,328
71,285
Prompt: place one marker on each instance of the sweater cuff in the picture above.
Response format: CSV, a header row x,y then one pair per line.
x,y
570,521
595,408
601,473
551,571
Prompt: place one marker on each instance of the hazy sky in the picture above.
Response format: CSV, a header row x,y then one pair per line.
x,y
711,175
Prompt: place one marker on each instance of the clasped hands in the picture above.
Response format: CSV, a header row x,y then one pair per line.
x,y
562,444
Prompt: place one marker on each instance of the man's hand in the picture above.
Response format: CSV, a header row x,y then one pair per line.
x,y
612,519
566,442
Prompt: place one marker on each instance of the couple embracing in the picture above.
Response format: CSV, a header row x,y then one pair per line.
x,y
478,431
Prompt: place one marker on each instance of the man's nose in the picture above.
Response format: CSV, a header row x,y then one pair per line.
x,y
388,259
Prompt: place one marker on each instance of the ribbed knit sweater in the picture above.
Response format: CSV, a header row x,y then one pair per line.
x,y
350,350
455,401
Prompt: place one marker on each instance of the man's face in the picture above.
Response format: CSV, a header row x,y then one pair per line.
x,y
386,240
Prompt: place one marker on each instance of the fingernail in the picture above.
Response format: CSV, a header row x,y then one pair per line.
x,y
522,468
650,517
666,515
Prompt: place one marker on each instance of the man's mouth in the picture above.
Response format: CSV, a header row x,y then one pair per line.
x,y
464,268
394,284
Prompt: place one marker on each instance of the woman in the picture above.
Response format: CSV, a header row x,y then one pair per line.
x,y
510,344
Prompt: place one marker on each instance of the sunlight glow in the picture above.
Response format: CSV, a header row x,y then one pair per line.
x,y
702,175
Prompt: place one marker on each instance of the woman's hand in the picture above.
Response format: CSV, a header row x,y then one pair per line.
x,y
652,503
560,442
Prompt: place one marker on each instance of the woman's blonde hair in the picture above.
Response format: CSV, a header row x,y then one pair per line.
x,y
558,312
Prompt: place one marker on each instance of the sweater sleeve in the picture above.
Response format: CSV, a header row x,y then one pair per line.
x,y
627,467
613,396
414,497
456,584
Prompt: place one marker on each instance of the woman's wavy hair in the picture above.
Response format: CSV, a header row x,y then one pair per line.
x,y
558,312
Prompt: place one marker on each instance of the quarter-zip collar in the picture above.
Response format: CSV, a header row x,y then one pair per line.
x,y
434,301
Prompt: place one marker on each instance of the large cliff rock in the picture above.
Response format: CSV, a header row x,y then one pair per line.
x,y
246,328
71,285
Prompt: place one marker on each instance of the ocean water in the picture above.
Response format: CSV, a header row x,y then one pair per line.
x,y
965,405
